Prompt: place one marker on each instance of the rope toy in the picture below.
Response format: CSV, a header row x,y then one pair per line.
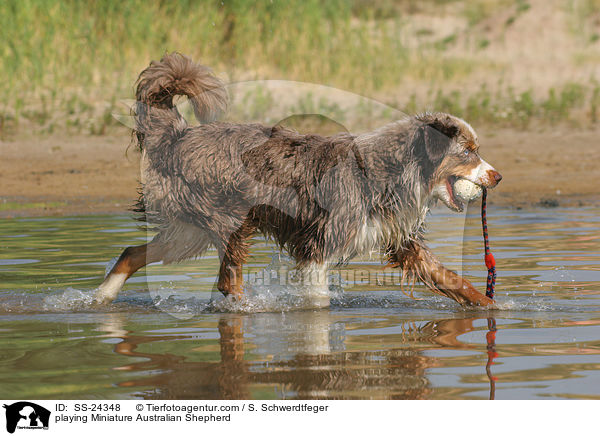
x,y
490,262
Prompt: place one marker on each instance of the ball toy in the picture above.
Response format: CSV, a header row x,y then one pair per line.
x,y
467,191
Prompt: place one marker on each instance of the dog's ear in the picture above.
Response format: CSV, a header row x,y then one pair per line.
x,y
431,141
437,135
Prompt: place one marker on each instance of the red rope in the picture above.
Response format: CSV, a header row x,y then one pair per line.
x,y
490,262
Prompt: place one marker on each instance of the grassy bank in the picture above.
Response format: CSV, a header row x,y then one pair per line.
x,y
66,64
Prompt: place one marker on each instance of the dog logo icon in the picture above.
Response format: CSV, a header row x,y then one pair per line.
x,y
26,415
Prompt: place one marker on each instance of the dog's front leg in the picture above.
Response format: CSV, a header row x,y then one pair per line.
x,y
417,260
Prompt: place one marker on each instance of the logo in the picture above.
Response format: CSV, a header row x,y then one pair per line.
x,y
26,415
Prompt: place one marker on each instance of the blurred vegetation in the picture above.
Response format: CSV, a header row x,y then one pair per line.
x,y
520,109
65,64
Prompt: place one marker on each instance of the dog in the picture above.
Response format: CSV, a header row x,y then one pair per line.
x,y
323,199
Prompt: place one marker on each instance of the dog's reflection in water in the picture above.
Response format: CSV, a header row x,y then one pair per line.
x,y
312,359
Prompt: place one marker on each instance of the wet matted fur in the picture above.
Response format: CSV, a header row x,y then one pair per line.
x,y
323,199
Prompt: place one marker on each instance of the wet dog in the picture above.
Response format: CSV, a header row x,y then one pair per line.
x,y
322,199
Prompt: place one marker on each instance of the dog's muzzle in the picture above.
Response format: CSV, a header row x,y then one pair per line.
x,y
493,177
484,175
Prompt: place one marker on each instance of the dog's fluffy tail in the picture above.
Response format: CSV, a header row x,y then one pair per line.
x,y
157,120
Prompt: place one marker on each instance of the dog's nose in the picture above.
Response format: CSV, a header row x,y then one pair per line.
x,y
494,177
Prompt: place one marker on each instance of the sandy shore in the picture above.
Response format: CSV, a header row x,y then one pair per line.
x,y
72,175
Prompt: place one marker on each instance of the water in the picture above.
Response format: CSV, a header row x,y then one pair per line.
x,y
168,335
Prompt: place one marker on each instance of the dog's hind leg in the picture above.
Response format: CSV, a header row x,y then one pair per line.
x,y
418,261
177,242
233,257
132,259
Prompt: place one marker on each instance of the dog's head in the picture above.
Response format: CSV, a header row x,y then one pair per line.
x,y
447,149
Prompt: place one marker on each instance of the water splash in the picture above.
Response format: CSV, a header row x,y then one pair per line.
x,y
69,300
184,304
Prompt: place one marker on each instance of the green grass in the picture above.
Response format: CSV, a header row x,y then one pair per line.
x,y
65,64
62,57
572,103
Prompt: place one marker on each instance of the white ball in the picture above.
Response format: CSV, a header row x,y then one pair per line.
x,y
466,190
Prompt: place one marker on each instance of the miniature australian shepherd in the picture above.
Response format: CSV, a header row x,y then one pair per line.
x,y
323,199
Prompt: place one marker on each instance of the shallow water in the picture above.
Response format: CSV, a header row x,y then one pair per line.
x,y
170,336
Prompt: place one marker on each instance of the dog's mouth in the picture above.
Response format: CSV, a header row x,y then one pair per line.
x,y
445,192
453,202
